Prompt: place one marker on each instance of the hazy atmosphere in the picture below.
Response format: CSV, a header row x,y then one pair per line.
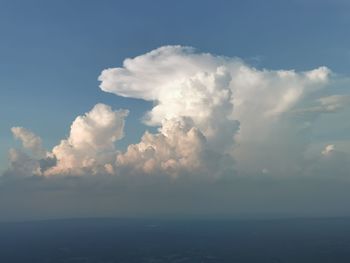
x,y
147,109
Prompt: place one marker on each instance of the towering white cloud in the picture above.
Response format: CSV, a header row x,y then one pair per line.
x,y
214,114
229,139
217,93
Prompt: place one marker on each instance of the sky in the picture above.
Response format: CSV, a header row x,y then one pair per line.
x,y
174,108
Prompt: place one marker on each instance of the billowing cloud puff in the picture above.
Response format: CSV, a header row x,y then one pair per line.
x,y
153,74
177,147
90,146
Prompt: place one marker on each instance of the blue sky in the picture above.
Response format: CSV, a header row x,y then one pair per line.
x,y
52,53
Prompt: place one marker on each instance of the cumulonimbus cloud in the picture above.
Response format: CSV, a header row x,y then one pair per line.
x,y
214,114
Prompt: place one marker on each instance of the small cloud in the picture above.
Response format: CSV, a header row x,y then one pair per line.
x,y
29,140
329,149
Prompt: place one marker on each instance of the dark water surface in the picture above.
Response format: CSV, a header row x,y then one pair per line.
x,y
122,240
